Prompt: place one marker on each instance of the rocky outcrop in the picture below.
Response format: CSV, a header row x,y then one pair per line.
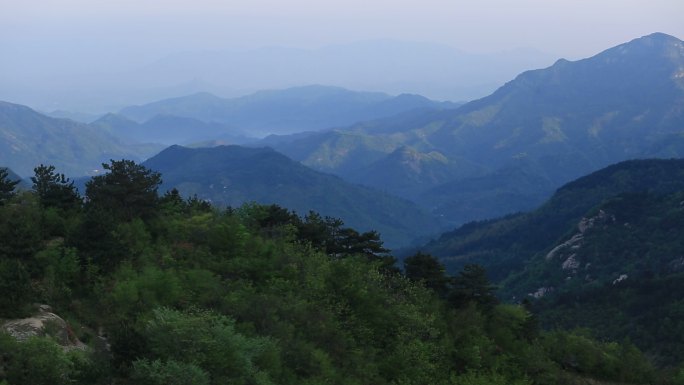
x,y
542,291
619,279
573,243
567,250
43,323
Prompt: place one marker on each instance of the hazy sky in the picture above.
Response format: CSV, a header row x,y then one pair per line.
x,y
42,41
571,28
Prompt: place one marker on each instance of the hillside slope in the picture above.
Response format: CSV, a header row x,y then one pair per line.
x,y
233,175
554,125
28,138
603,253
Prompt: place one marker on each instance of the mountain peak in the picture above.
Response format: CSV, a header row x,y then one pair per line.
x,y
14,107
655,44
660,36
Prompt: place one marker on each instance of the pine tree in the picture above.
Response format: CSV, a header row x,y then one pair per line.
x,y
127,191
54,189
7,186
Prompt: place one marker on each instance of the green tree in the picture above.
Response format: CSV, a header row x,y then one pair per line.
x,y
472,285
168,373
7,186
38,361
427,269
54,189
211,342
15,286
128,190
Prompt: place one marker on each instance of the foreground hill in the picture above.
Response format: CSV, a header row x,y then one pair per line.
x,y
604,252
285,111
555,124
128,287
233,175
28,138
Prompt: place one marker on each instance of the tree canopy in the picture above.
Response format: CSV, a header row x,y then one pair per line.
x,y
174,291
54,189
127,190
7,186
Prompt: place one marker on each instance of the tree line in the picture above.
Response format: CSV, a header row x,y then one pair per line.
x,y
166,289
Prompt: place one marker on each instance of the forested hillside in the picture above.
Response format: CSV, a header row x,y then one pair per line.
x,y
234,175
161,289
604,253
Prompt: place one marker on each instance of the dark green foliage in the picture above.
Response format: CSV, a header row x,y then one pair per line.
x,y
626,280
626,221
41,361
15,285
168,373
128,190
472,285
210,342
427,269
21,229
188,294
507,243
54,189
7,186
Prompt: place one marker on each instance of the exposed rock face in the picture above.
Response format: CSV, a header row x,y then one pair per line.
x,y
566,250
44,323
570,263
573,243
677,264
587,223
542,291
621,278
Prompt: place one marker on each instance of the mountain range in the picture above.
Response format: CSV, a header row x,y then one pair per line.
x,y
28,138
601,250
436,71
549,125
500,154
233,175
308,108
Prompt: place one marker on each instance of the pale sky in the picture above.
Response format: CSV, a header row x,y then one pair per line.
x,y
572,28
45,36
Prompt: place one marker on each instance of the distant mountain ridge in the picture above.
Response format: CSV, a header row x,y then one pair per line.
x,y
285,111
233,175
552,125
28,138
167,130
